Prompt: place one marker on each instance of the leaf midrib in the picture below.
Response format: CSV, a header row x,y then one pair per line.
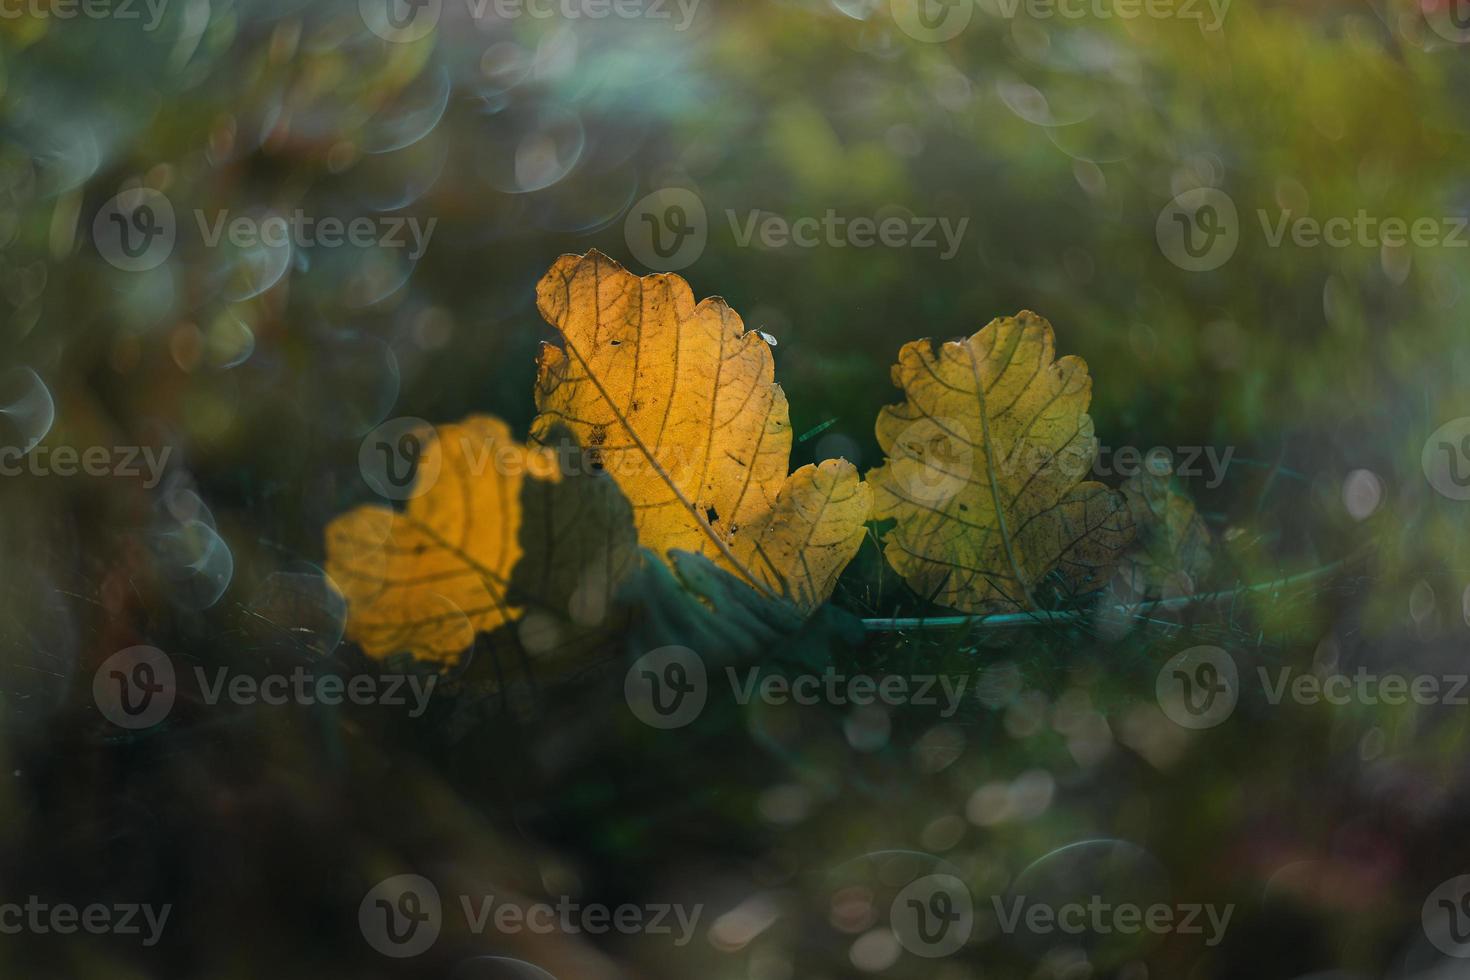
x,y
627,426
990,472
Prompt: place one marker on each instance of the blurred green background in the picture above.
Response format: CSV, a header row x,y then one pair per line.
x,y
1059,141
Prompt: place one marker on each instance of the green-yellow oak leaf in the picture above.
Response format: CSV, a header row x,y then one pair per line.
x,y
984,476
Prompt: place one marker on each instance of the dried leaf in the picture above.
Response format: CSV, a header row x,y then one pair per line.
x,y
984,471
579,545
679,403
1172,551
690,601
427,579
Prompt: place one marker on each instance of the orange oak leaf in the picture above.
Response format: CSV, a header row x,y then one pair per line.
x,y
678,401
430,577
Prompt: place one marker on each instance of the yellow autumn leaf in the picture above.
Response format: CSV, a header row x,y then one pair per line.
x,y
985,467
679,403
426,579
1172,552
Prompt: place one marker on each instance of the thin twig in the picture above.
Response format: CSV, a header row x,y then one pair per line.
x,y
1071,616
